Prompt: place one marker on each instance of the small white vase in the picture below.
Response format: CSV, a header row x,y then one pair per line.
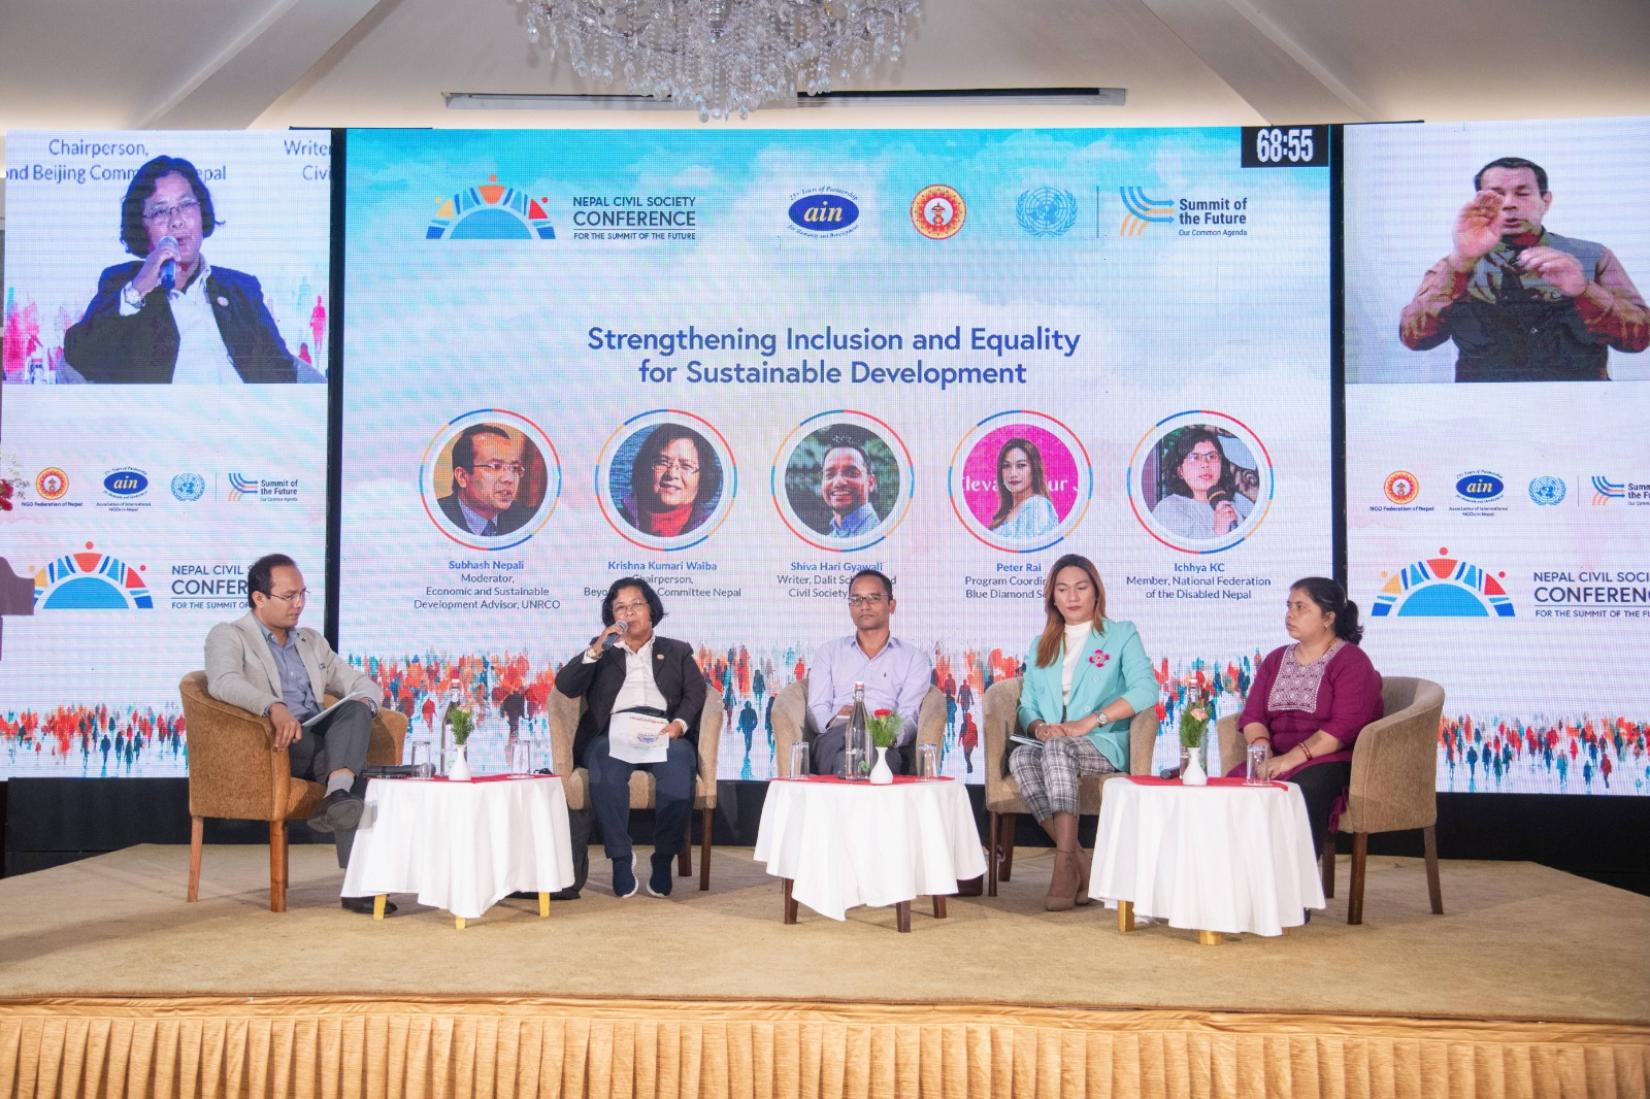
x,y
1192,774
881,774
460,769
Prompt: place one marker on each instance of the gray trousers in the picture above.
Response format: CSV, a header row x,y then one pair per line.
x,y
337,741
1048,776
825,750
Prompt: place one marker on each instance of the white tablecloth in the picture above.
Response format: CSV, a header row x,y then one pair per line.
x,y
1215,858
461,846
844,844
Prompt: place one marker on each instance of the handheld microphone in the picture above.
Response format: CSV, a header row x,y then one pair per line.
x,y
612,639
169,267
1218,496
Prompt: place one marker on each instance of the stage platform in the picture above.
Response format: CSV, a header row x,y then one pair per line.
x,y
1536,983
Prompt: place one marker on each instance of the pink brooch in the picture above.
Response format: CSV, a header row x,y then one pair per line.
x,y
1099,658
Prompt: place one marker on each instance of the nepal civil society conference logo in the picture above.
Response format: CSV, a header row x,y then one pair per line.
x,y
491,211
1442,587
1046,211
87,580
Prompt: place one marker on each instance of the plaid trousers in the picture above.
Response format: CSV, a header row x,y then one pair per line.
x,y
1048,775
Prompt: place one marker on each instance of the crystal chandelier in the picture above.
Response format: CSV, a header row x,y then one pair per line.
x,y
721,56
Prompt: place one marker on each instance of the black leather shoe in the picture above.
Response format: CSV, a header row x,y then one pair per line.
x,y
339,811
558,895
363,905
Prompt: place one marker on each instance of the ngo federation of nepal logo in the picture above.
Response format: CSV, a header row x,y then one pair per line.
x,y
938,211
1046,211
491,211
1442,587
824,212
1402,486
87,580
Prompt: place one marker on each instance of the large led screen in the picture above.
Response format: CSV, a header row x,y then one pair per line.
x,y
163,423
936,300
1498,477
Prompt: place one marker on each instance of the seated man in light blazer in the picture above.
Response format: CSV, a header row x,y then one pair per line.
x,y
263,663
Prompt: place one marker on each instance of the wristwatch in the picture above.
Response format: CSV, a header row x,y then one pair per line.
x,y
129,294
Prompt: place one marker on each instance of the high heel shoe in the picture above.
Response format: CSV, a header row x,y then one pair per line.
x,y
1083,864
1063,883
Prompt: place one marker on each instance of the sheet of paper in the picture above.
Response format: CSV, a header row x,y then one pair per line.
x,y
635,738
1028,741
310,723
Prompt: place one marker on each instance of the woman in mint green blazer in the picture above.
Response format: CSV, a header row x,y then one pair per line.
x,y
1085,677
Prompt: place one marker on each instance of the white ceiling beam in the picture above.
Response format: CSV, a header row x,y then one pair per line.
x,y
1261,61
236,84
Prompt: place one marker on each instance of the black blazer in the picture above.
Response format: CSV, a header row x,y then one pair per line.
x,y
107,347
675,672
508,521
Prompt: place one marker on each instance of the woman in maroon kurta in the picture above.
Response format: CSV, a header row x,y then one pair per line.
x,y
1311,699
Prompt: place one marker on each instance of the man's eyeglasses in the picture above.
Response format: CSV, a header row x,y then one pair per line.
x,y
292,597
629,608
162,215
865,600
498,468
686,469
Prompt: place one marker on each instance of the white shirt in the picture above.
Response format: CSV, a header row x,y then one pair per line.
x,y
640,688
202,357
1077,639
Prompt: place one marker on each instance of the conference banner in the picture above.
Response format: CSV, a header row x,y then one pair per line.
x,y
746,364
163,422
1498,480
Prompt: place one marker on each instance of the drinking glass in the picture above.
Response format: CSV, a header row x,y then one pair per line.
x,y
799,761
521,757
1259,752
423,759
928,761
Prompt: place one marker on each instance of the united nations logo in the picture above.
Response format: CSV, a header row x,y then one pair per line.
x,y
1046,211
1548,491
188,486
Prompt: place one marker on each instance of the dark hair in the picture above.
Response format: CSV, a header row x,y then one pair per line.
x,y
653,604
1183,444
1331,598
1513,163
653,447
845,442
1039,482
887,584
259,578
132,233
464,451
1054,630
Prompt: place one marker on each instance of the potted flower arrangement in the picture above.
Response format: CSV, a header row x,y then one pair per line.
x,y
1194,724
462,723
884,726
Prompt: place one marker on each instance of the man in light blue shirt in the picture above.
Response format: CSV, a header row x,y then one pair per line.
x,y
846,484
896,676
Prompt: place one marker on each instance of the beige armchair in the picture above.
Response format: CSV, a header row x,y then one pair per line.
x,y
1002,793
1393,786
790,717
564,723
235,774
